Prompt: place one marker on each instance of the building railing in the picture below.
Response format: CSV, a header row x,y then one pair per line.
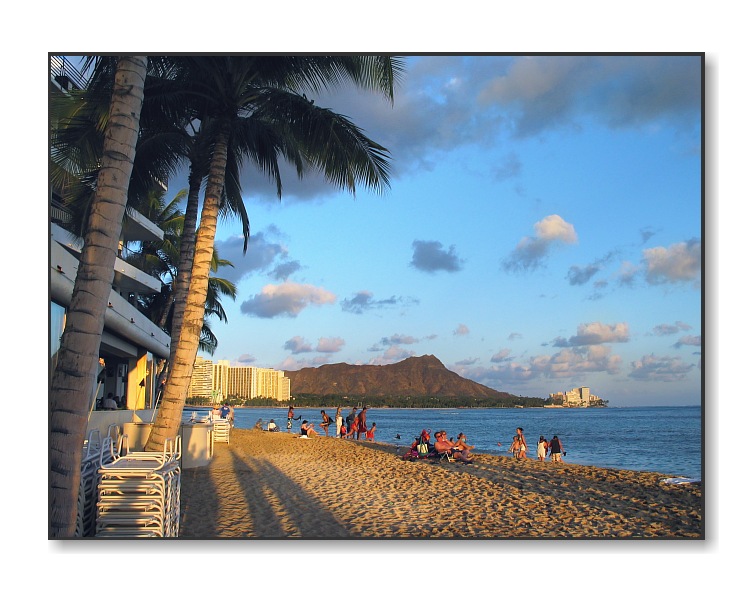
x,y
66,74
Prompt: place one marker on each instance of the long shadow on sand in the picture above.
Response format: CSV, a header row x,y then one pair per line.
x,y
272,504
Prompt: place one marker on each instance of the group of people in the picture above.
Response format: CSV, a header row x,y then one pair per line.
x,y
224,412
352,426
455,449
553,448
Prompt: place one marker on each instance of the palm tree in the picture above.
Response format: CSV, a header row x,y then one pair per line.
x,y
160,259
74,375
169,134
266,92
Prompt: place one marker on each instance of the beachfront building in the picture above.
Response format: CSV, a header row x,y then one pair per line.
x,y
201,379
131,345
220,381
578,397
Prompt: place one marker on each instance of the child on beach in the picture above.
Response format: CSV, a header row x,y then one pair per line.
x,y
522,443
370,432
542,448
515,447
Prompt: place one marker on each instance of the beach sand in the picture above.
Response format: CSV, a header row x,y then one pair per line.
x,y
274,485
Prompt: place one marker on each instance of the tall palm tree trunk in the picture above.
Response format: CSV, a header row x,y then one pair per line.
x,y
185,263
167,422
73,380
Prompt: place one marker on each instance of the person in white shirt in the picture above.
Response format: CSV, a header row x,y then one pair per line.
x,y
109,403
272,427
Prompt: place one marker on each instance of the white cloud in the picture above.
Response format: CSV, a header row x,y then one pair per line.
x,y
668,329
391,355
291,363
330,344
501,356
689,340
461,330
659,368
297,345
680,262
590,334
287,299
565,364
530,252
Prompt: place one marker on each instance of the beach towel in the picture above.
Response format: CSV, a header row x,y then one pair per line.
x,y
680,480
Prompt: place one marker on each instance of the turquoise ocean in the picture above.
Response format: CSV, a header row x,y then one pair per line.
x,y
668,440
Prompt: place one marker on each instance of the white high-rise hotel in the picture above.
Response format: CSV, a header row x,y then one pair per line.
x,y
220,381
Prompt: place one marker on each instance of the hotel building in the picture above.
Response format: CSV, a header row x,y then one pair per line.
x,y
219,382
131,344
579,397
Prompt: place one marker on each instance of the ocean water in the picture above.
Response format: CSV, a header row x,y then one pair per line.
x,y
655,439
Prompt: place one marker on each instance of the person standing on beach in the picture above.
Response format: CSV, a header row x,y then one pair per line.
x,y
542,448
291,417
351,420
326,421
338,421
522,443
555,449
361,423
515,447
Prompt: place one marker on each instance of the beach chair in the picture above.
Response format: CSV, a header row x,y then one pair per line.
x,y
447,456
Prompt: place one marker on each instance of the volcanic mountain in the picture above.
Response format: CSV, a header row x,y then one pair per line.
x,y
417,377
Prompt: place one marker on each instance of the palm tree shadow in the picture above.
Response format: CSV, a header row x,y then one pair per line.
x,y
281,508
193,512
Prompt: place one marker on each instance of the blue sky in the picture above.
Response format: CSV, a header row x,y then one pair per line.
x,y
542,231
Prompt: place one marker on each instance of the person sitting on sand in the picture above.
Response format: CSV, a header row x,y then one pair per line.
x,y
308,430
272,427
370,432
443,445
258,424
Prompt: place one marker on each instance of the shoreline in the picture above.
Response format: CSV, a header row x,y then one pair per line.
x,y
274,485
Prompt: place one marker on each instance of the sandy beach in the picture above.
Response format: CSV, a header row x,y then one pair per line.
x,y
274,485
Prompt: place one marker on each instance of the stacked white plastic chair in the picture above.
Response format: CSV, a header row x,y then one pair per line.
x,y
221,430
139,493
87,490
